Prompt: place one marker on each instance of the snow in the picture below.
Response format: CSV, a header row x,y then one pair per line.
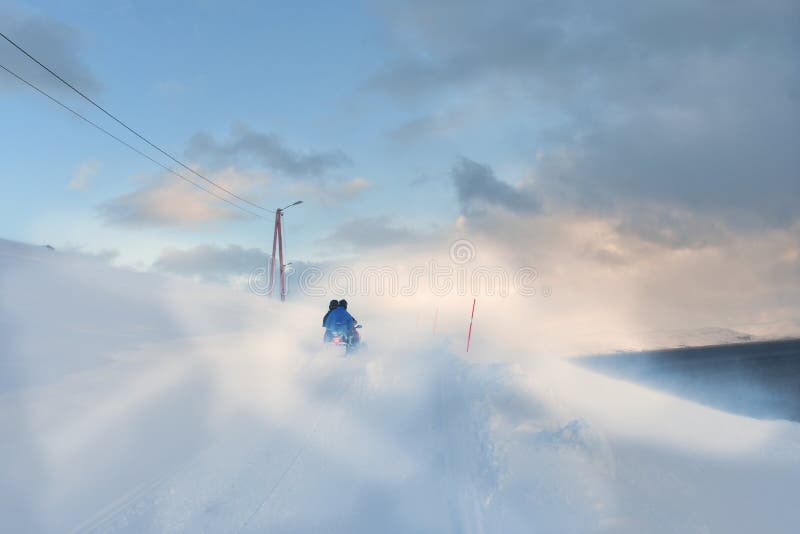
x,y
131,402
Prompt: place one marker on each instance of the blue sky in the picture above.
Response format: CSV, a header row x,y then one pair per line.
x,y
674,121
173,70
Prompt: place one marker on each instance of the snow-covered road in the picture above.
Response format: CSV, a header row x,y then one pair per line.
x,y
134,403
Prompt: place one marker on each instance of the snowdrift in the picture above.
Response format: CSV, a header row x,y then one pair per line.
x,y
131,402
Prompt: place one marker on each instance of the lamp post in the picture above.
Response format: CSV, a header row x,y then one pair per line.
x,y
277,242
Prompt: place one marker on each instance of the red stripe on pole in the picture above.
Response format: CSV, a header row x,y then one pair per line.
x,y
469,334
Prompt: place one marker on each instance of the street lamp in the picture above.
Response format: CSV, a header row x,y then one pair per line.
x,y
277,242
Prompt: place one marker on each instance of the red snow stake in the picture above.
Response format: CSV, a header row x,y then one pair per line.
x,y
469,334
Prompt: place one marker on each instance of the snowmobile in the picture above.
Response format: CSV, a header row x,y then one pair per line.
x,y
344,340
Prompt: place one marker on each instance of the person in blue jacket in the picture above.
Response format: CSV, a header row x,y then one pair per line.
x,y
333,305
343,304
354,333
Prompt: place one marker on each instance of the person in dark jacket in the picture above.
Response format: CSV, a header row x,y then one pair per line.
x,y
332,306
354,332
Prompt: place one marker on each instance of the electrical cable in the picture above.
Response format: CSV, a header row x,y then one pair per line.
x,y
134,132
122,141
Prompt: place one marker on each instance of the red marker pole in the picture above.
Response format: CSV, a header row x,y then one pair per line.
x,y
469,334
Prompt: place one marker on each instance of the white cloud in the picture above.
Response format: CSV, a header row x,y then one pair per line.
x,y
169,201
356,186
83,174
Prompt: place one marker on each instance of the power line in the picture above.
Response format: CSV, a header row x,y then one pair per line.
x,y
122,141
134,132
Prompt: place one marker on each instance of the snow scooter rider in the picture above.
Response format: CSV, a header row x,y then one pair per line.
x,y
354,332
338,320
333,304
343,304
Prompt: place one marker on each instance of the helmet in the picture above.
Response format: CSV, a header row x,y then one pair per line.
x,y
343,304
334,303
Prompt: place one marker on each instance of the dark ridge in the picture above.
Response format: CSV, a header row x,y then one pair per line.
x,y
759,379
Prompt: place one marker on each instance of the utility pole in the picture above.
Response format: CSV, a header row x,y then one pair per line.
x,y
277,242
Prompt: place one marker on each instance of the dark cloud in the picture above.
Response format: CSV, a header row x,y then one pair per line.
x,y
677,105
370,233
53,43
477,186
210,262
420,128
246,145
583,43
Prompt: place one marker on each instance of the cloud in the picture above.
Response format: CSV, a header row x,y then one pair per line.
x,y
564,47
245,145
370,233
169,201
679,106
233,265
354,187
211,262
605,278
421,127
82,175
476,185
55,44
328,193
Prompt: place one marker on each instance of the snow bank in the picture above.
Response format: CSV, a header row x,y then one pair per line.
x,y
131,402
